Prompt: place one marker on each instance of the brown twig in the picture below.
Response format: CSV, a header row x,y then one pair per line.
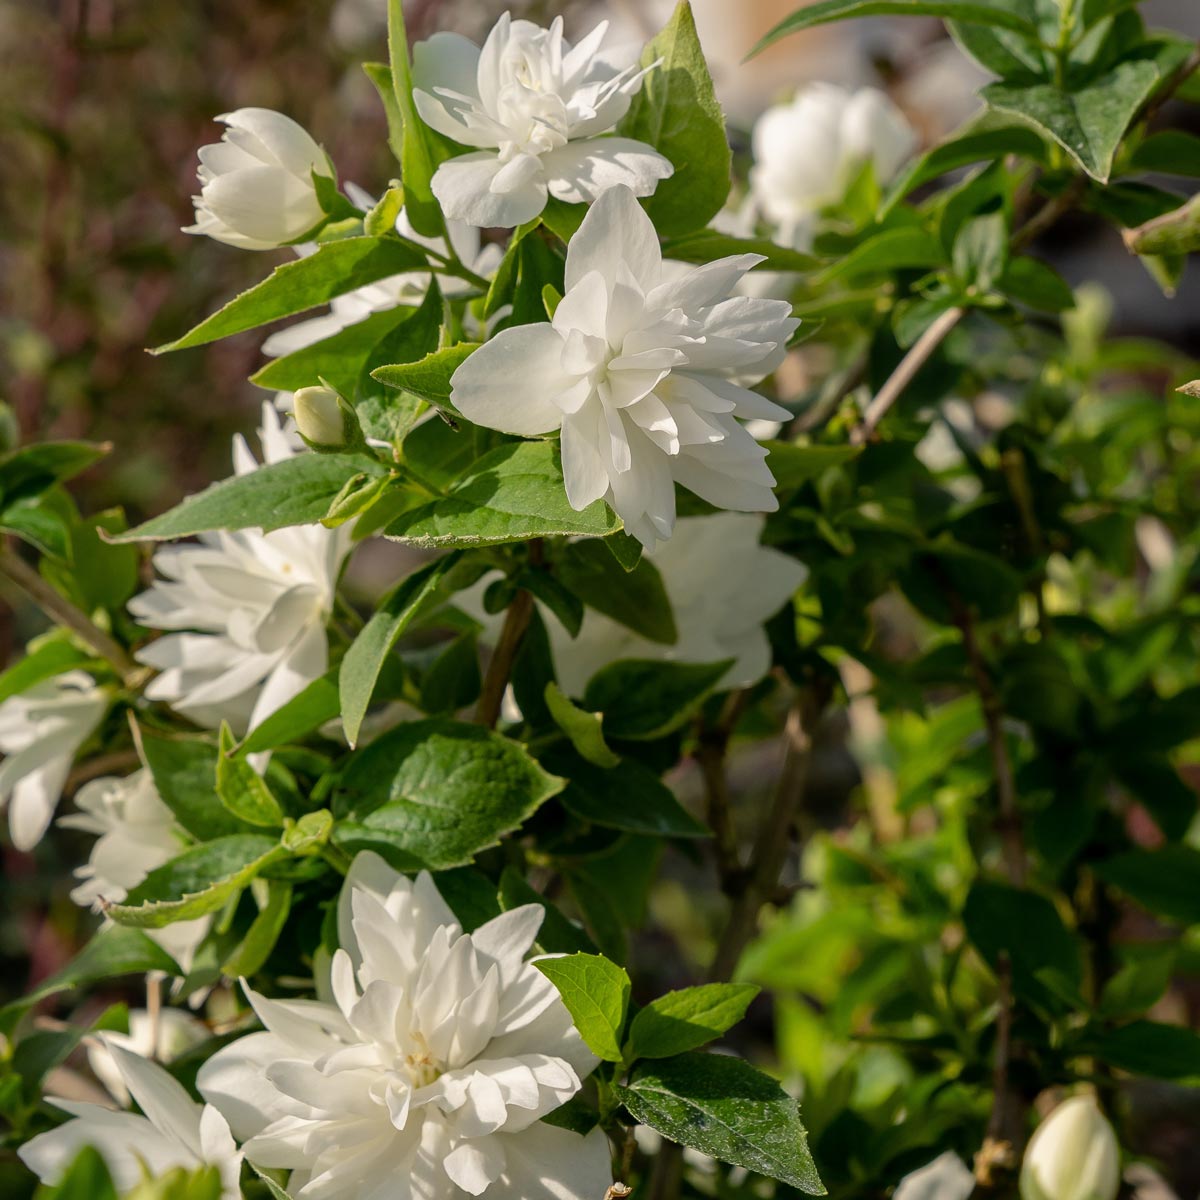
x,y
771,845
710,757
60,610
516,623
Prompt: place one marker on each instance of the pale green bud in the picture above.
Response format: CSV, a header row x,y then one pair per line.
x,y
1073,1155
320,416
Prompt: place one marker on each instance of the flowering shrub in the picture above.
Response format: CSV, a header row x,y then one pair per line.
x,y
380,864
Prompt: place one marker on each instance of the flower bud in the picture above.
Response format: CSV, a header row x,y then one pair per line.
x,y
1073,1155
321,416
256,184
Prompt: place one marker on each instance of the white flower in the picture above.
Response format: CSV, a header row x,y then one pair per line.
x,y
536,107
1073,1155
407,288
643,370
175,1132
946,1178
256,186
41,731
427,1068
705,568
807,151
257,603
160,1036
136,833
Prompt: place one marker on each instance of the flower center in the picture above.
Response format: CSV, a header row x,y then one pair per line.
x,y
422,1069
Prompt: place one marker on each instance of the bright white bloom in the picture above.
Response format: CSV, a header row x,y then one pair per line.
x,y
807,151
536,108
407,288
426,1070
41,731
256,186
160,1036
255,607
1073,1155
136,833
175,1132
705,568
946,1178
643,370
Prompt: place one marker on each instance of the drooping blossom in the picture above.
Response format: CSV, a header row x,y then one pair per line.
x,y
807,151
174,1132
644,369
704,568
539,112
41,731
256,185
136,832
424,1070
247,610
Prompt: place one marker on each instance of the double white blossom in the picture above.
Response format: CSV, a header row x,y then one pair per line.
x,y
644,370
425,1069
256,183
136,832
807,151
41,731
536,107
250,609
705,568
174,1132
406,288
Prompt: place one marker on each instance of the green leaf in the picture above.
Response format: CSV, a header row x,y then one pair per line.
x,y
1032,282
596,993
1089,121
304,712
368,652
1176,232
199,881
242,789
725,1108
87,1178
332,270
707,245
676,111
52,657
184,770
892,250
634,597
432,794
981,251
582,728
453,680
1006,14
30,470
687,1019
1001,51
430,377
1150,1048
418,156
112,951
627,796
644,699
1002,920
1169,152
512,494
1166,880
294,491
255,948
794,466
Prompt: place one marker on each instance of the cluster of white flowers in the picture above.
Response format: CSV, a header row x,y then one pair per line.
x,y
247,611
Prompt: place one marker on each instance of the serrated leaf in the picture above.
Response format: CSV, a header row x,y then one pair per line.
x,y
242,789
198,881
512,494
687,1019
596,993
365,658
332,270
725,1108
582,728
294,491
432,794
428,378
676,111
184,770
644,699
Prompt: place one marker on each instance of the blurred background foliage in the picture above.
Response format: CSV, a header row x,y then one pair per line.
x,y
102,106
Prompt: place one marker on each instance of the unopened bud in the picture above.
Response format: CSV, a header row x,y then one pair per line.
x,y
1073,1155
320,416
